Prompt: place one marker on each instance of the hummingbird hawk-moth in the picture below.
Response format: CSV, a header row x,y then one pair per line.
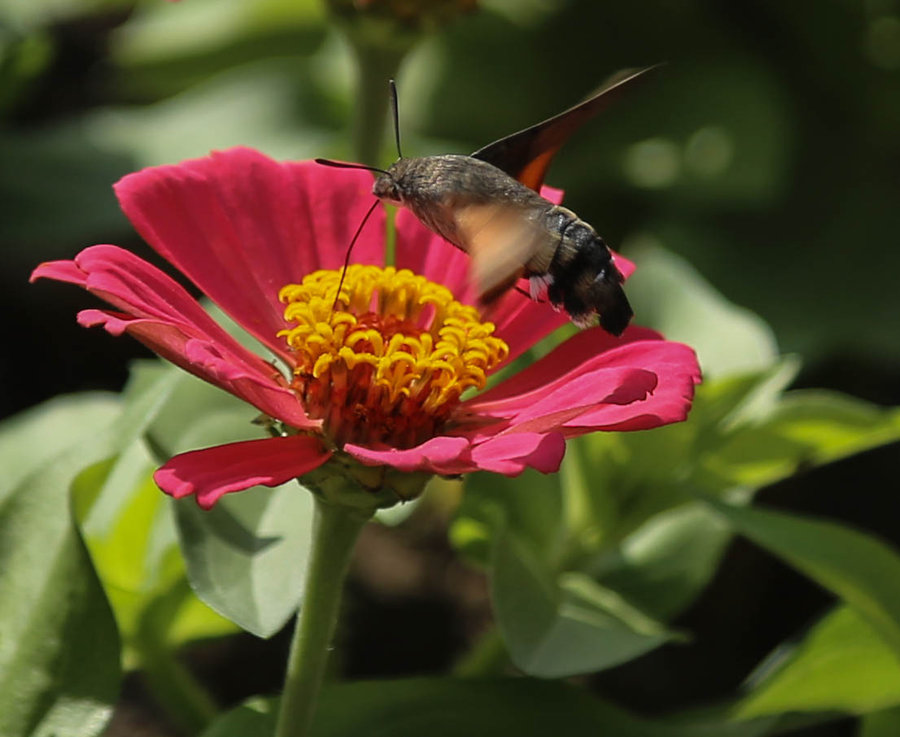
x,y
488,205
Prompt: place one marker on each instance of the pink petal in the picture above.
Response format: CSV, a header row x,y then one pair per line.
x,y
164,317
636,384
508,454
512,453
580,353
671,401
441,454
626,266
241,226
213,472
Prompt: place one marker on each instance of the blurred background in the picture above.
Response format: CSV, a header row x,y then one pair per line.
x,y
766,153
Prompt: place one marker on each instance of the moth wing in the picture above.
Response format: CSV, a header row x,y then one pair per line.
x,y
501,240
526,155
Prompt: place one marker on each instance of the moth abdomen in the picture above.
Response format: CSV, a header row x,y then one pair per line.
x,y
582,277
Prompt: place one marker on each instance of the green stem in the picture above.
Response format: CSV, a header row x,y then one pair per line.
x,y
375,64
187,704
487,658
335,530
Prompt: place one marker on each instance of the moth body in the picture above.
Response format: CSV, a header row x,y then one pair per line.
x,y
510,231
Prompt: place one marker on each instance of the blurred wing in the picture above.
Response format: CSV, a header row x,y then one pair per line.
x,y
500,240
526,155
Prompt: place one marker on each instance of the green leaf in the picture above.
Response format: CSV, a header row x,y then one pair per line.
x,y
860,569
59,652
446,707
672,297
182,417
843,664
555,629
530,504
742,434
59,655
639,475
806,428
664,564
246,557
255,717
32,437
129,528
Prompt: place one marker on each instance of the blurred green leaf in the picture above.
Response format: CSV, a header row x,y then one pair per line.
x,y
669,295
23,58
530,504
160,32
664,564
59,652
843,664
560,629
860,569
29,15
255,717
445,707
807,428
636,475
190,403
254,105
743,434
28,439
129,528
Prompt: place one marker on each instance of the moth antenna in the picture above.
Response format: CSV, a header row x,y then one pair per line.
x,y
396,116
350,250
348,165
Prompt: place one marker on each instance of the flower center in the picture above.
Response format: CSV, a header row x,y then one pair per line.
x,y
389,361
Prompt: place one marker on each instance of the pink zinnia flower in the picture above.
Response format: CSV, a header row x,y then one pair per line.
x,y
377,382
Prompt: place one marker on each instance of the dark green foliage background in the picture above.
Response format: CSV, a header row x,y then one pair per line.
x,y
766,152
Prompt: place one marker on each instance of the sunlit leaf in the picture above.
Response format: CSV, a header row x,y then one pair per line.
x,y
246,557
843,664
29,438
805,429
59,652
129,528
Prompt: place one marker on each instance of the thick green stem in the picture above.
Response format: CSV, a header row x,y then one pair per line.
x,y
335,530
